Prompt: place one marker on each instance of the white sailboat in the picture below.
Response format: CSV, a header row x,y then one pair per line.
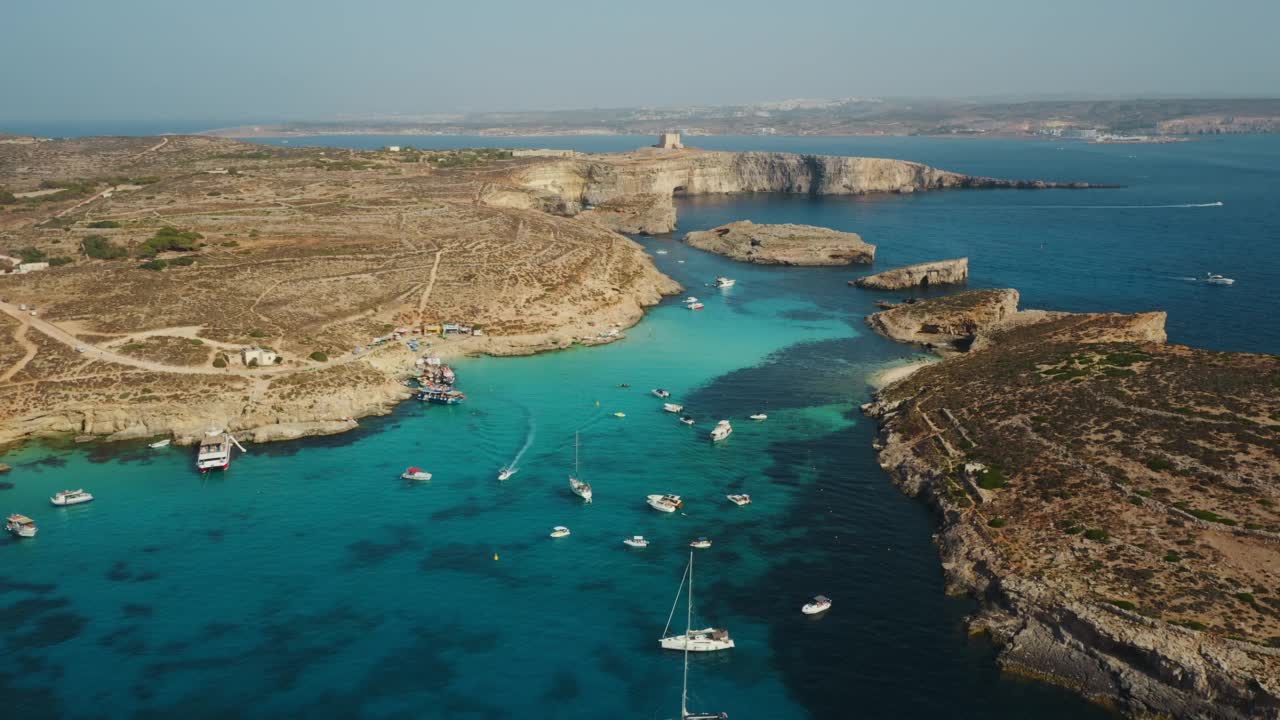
x,y
705,640
579,488
685,714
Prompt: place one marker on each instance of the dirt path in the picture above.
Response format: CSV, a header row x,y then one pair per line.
x,y
20,336
431,283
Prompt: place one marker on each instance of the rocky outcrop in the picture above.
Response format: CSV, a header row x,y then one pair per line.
x,y
922,275
783,244
635,215
953,322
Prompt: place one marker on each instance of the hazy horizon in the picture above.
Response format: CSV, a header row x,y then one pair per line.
x,y
145,62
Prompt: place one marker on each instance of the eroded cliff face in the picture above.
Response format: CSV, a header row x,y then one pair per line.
x,y
783,244
953,322
939,272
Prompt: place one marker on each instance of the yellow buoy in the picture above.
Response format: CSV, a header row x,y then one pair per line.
x,y
495,556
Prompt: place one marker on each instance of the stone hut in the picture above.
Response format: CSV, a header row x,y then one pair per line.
x,y
669,141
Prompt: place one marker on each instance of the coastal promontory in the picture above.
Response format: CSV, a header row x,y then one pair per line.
x,y
922,275
1109,499
783,244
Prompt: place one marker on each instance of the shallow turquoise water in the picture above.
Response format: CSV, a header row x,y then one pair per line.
x,y
310,580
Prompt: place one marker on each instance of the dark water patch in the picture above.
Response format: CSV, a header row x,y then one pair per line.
x,y
11,584
50,629
563,688
208,702
804,315
29,701
368,427
216,534
6,485
28,610
136,610
99,453
218,629
366,553
469,509
150,549
603,584
478,559
126,639
121,572
48,461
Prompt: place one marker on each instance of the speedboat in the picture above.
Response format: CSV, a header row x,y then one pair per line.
x,y
415,473
559,531
819,604
759,416
705,640
636,541
695,306
1216,279
724,282
739,500
70,497
721,431
21,525
506,473
659,392
672,407
665,503
624,385
619,414
661,252
160,444
701,543
686,419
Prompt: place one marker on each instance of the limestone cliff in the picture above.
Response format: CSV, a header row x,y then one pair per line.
x,y
637,215
783,244
940,272
947,323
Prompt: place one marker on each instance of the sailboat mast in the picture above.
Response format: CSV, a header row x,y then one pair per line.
x,y
688,623
576,473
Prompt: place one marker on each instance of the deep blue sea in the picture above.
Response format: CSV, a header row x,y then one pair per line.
x,y
309,580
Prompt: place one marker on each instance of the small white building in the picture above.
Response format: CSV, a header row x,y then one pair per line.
x,y
393,148
669,141
258,356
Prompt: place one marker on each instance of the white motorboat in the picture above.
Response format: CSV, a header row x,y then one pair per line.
x,y
759,416
636,541
160,444
579,488
701,543
724,282
690,300
559,531
659,392
672,407
619,414
665,503
695,306
506,473
661,252
70,497
686,419
1216,279
415,473
819,604
721,431
21,525
705,640
739,500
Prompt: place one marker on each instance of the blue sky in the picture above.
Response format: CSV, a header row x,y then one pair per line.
x,y
175,60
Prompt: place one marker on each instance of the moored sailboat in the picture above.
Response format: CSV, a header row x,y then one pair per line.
x,y
685,713
579,488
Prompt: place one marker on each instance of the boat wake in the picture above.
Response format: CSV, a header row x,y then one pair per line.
x,y
528,442
1171,206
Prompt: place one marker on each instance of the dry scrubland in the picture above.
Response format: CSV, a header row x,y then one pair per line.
x,y
1123,529
300,250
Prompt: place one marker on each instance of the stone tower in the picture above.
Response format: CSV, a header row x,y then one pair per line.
x,y
669,141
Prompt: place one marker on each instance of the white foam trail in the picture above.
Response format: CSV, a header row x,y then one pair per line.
x,y
528,441
1092,207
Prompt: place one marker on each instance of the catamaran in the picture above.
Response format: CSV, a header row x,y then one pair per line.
x,y
579,488
665,503
705,640
215,451
70,497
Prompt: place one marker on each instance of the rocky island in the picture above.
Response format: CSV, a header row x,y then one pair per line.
x,y
783,244
922,275
1109,499
145,278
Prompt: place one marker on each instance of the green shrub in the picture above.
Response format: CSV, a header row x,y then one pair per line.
x,y
1159,464
104,224
1135,500
1246,597
170,238
1096,534
154,265
1172,557
60,260
220,361
7,198
256,333
100,248
1122,604
31,255
997,522
1191,624
1210,516
183,261
319,356
992,479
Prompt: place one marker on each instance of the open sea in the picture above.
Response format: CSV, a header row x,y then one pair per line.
x,y
309,580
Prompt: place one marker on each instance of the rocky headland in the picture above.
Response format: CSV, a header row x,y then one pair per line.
x,y
787,244
1109,499
922,275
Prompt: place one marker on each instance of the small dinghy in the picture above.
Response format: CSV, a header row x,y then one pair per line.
x,y
819,604
695,306
636,541
672,407
619,414
70,497
701,543
415,473
661,252
559,531
659,392
160,444
759,416
665,503
686,419
739,500
506,473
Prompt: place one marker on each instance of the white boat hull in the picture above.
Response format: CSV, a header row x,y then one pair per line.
x,y
63,502
698,641
812,609
416,476
25,532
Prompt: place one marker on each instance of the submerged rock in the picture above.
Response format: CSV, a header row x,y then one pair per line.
x,y
783,244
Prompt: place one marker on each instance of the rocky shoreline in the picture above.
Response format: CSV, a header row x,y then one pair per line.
x,y
785,244
1059,607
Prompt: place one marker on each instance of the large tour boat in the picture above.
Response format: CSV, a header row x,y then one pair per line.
x,y
21,525
440,395
70,497
214,452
